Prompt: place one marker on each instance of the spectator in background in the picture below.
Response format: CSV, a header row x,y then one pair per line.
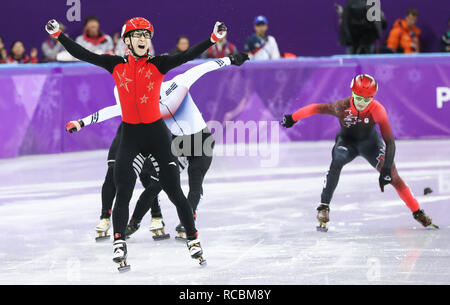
x,y
93,39
404,36
51,47
3,54
445,40
220,49
260,45
121,49
182,45
17,54
356,32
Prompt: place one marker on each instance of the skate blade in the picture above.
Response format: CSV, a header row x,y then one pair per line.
x,y
124,268
161,237
202,262
322,228
181,237
102,238
435,226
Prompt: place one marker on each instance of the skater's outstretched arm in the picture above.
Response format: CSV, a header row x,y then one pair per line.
x,y
105,61
166,63
188,78
324,108
98,116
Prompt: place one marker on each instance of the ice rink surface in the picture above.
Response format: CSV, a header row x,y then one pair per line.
x,y
257,224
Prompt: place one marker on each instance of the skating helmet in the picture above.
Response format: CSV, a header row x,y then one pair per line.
x,y
136,23
364,85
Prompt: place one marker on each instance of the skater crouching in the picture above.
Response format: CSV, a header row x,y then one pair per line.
x,y
358,116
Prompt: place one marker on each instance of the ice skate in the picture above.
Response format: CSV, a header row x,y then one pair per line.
x,y
181,233
102,229
424,219
195,250
132,227
323,216
120,255
157,228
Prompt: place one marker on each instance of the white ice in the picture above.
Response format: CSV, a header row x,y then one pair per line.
x,y
257,224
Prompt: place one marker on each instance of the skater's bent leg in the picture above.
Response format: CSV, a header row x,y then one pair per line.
x,y
170,182
108,192
148,200
341,155
375,153
198,166
403,190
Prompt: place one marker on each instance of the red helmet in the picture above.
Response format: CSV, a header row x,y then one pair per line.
x,y
137,23
364,85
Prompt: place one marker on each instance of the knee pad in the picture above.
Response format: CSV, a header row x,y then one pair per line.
x,y
341,156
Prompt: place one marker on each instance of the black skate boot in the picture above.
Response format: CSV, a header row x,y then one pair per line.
x,y
424,219
323,216
120,255
195,250
181,233
132,227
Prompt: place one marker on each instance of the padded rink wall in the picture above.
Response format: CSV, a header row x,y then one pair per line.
x,y
37,100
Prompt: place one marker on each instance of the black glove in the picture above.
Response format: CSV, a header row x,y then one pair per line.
x,y
238,59
288,121
385,177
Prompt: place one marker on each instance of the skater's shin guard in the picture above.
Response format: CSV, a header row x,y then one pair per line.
x,y
405,194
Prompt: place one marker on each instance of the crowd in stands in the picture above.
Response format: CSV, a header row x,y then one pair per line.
x,y
356,33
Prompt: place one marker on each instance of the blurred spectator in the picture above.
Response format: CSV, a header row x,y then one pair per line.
x,y
120,48
356,32
51,47
17,54
182,45
445,40
93,39
260,45
404,36
220,49
3,54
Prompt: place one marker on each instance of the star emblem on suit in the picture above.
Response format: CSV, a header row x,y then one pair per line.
x,y
150,86
148,74
144,99
123,80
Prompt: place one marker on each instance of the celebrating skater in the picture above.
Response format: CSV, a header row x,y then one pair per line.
x,y
138,78
187,125
358,116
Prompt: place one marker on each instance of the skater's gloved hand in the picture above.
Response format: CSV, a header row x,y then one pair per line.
x,y
288,121
238,59
385,177
52,27
219,32
73,126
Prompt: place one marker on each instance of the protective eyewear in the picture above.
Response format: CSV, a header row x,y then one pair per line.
x,y
361,99
139,34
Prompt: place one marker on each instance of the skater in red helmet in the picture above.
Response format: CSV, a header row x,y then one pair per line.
x,y
138,77
358,116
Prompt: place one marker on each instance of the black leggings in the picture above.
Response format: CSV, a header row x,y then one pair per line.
x,y
197,169
109,189
152,138
344,151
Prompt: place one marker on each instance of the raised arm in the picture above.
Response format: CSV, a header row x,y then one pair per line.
x,y
107,62
167,62
188,78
